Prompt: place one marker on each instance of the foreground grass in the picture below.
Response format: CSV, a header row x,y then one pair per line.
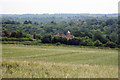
x,y
54,61
34,69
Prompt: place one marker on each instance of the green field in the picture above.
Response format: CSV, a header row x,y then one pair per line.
x,y
28,61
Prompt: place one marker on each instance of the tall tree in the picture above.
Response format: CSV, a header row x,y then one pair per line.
x,y
5,33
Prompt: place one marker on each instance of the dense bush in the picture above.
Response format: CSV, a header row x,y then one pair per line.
x,y
46,39
11,42
56,39
16,39
98,35
63,40
97,43
5,33
86,41
23,42
74,41
31,42
58,43
110,44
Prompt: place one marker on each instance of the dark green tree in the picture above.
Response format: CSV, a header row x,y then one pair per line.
x,y
13,34
5,33
19,34
97,43
110,22
46,39
78,33
98,35
110,44
27,22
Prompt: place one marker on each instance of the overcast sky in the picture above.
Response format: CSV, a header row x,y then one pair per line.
x,y
58,6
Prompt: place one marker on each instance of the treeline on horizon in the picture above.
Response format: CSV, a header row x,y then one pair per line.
x,y
90,32
45,18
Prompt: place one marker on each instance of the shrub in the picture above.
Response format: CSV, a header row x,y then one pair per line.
x,y
86,41
46,39
74,41
97,43
16,39
26,43
58,43
110,44
10,42
63,40
56,39
4,39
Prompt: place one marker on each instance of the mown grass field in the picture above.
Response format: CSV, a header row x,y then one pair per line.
x,y
27,61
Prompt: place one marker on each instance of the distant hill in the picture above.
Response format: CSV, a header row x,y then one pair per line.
x,y
43,18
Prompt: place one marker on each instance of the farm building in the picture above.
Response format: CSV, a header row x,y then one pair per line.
x,y
64,36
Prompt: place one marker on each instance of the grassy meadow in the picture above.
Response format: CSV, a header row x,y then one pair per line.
x,y
32,61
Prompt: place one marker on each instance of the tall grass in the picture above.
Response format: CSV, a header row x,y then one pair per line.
x,y
59,61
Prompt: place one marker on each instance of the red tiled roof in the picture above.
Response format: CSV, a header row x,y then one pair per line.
x,y
63,35
57,34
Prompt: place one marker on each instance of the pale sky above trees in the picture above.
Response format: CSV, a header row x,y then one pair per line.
x,y
58,6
